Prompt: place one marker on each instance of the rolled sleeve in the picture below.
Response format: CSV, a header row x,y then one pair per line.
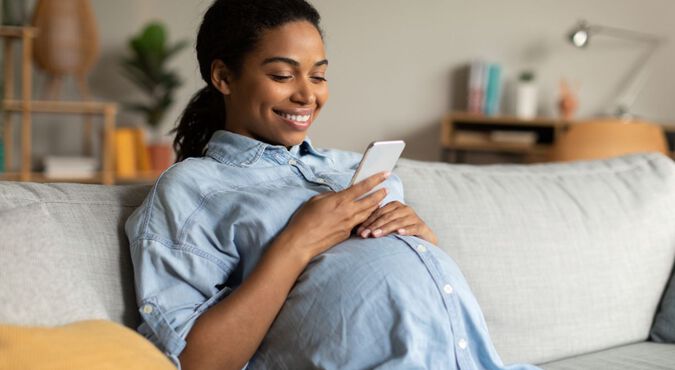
x,y
174,286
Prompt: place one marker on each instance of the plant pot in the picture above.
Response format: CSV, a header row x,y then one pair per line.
x,y
526,100
161,156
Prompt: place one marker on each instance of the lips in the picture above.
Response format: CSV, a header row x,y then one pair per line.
x,y
296,118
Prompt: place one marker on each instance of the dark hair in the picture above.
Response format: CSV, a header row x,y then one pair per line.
x,y
230,29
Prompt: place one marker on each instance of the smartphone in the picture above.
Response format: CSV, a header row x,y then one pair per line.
x,y
380,156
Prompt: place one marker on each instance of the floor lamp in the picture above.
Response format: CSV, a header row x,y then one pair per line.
x,y
580,36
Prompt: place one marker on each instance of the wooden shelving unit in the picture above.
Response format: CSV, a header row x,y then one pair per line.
x,y
465,133
24,106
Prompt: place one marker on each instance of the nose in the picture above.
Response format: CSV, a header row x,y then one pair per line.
x,y
304,93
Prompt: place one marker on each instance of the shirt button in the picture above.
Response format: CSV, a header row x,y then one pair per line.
x,y
147,308
447,289
421,248
292,162
462,343
320,180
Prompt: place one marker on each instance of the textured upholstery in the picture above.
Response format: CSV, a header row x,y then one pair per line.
x,y
564,259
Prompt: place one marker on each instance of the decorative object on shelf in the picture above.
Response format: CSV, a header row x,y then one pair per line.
x,y
568,101
526,96
634,81
147,69
67,42
14,12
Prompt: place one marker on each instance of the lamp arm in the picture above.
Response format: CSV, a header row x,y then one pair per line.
x,y
625,34
634,82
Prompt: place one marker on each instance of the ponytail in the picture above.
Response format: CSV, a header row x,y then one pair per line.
x,y
204,115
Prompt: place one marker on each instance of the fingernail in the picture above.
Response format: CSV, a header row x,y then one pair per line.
x,y
401,231
365,233
377,232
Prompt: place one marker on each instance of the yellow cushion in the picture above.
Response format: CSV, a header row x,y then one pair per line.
x,y
95,344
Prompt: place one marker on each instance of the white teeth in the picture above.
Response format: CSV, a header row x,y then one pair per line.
x,y
295,118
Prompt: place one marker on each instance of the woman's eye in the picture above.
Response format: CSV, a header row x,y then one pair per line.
x,y
281,77
319,78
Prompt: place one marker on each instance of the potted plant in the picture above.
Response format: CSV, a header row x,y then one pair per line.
x,y
147,69
526,95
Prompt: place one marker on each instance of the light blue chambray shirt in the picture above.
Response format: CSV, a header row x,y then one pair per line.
x,y
395,302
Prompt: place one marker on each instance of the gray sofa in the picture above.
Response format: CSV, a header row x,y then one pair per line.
x,y
569,261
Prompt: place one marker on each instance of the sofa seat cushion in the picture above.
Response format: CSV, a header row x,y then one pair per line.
x,y
638,356
94,344
564,259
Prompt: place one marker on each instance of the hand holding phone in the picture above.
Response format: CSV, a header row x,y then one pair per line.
x,y
380,156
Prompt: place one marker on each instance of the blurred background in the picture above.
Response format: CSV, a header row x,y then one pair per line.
x,y
399,67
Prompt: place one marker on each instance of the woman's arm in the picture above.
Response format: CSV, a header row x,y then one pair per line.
x,y
228,334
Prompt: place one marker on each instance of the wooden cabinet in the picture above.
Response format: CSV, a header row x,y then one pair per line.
x,y
25,107
512,139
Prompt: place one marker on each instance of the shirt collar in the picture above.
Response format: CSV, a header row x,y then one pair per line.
x,y
232,148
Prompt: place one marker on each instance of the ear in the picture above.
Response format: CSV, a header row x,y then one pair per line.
x,y
221,76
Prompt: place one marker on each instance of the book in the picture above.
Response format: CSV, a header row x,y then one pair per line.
x,y
125,152
141,151
70,167
492,89
476,88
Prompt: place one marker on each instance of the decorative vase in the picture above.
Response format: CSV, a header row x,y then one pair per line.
x,y
67,41
568,102
526,100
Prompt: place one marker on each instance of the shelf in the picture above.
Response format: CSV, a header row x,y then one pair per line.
x,y
17,32
464,133
98,178
51,106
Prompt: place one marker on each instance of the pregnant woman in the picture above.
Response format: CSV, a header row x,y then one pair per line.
x,y
252,251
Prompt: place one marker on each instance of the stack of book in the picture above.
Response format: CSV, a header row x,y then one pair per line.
x,y
70,167
484,88
131,153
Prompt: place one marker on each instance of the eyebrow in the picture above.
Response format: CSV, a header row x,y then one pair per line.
x,y
292,62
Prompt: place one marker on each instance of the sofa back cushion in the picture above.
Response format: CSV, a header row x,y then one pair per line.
x,y
564,259
63,253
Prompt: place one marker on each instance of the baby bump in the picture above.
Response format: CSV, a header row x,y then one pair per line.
x,y
359,303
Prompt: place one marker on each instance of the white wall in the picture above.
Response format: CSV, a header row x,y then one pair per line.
x,y
395,65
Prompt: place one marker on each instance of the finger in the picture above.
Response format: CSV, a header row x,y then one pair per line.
x,y
372,200
375,215
380,218
399,226
362,187
399,213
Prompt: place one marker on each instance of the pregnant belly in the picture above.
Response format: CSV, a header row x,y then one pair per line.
x,y
362,303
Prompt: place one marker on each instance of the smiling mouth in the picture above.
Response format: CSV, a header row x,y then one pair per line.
x,y
298,119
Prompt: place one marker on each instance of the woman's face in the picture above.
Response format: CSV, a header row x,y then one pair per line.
x,y
282,86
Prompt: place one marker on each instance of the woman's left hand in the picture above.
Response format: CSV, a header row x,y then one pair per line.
x,y
395,217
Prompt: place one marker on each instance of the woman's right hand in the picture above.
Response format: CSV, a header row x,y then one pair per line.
x,y
329,218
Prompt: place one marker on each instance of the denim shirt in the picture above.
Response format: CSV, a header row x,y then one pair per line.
x,y
394,301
